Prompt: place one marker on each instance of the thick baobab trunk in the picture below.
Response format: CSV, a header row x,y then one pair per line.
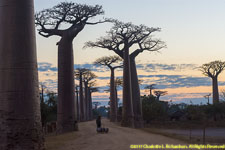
x,y
66,108
137,106
86,98
215,90
20,119
127,111
113,109
81,98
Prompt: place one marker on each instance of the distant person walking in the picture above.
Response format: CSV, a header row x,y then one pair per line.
x,y
98,122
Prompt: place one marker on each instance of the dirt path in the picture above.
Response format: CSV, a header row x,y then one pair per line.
x,y
118,138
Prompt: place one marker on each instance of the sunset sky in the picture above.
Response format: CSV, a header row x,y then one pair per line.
x,y
194,32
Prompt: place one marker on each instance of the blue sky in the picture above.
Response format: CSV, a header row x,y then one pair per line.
x,y
194,31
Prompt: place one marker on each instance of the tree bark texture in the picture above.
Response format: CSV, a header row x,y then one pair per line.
x,y
137,105
215,90
127,111
66,97
113,108
20,119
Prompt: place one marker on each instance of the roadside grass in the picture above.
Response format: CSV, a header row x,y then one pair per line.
x,y
54,142
171,135
186,138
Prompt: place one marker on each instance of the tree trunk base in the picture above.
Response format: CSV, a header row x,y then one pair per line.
x,y
127,122
20,134
113,118
67,127
138,122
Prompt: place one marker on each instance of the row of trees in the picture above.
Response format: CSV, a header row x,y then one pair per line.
x,y
86,86
120,39
20,121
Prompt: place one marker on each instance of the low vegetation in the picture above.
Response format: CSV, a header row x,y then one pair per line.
x,y
182,115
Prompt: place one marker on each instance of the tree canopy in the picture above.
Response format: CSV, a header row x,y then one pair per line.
x,y
52,21
129,34
109,61
212,69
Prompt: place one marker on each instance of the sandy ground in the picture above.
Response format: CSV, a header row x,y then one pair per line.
x,y
118,138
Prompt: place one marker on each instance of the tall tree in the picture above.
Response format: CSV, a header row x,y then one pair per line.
x,y
51,22
42,89
159,93
88,78
77,101
120,39
207,97
112,63
150,88
20,119
91,90
212,70
79,76
118,83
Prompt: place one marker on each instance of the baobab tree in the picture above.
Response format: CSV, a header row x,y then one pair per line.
x,y
79,76
77,101
212,70
118,83
88,78
20,119
51,22
112,63
150,88
91,89
207,97
159,93
42,89
120,39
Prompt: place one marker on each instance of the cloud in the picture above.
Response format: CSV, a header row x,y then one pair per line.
x,y
44,66
103,78
175,81
48,73
92,67
189,98
165,67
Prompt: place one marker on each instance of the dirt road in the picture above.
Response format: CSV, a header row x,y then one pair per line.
x,y
118,138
